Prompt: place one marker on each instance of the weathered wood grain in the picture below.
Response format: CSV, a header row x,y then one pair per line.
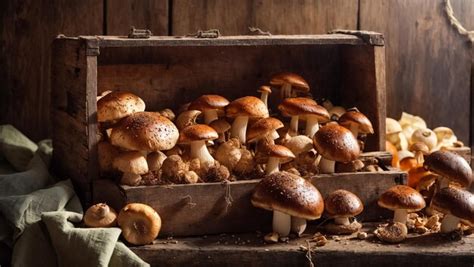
x,y
428,65
276,16
26,33
142,14
199,209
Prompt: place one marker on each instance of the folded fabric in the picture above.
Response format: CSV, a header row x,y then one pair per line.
x,y
15,147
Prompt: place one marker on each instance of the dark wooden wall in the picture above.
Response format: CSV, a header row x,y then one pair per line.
x,y
428,63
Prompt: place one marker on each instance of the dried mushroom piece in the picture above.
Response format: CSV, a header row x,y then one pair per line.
x,y
395,232
100,215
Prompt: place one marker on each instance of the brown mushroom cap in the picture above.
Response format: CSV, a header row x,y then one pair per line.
x,y
279,151
264,88
301,106
220,125
131,162
455,201
354,117
100,215
117,105
337,143
197,132
140,223
145,131
290,194
247,106
342,203
449,165
263,127
402,197
420,146
294,79
208,102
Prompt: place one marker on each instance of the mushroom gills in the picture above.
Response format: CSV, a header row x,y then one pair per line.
x,y
281,223
449,223
199,150
239,128
298,225
326,165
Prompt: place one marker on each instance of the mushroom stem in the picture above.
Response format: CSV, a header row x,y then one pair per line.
x,y
264,98
281,223
274,135
312,126
326,165
400,216
298,225
449,223
272,165
210,116
199,150
342,220
355,130
419,158
239,128
294,126
285,90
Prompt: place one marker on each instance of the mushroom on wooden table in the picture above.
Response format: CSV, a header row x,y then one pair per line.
x,y
457,205
140,223
292,199
341,205
242,110
100,215
401,199
450,167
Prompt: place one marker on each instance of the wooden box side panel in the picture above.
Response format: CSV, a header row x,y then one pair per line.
x,y
202,208
363,83
73,115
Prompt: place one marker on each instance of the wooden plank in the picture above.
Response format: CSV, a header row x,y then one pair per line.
x,y
276,16
249,250
428,66
142,14
201,208
28,29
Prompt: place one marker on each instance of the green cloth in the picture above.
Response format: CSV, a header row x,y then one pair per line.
x,y
39,216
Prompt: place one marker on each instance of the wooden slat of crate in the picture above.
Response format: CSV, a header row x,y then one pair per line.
x,y
201,208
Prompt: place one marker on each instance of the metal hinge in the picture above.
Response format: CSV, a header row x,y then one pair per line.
x,y
139,33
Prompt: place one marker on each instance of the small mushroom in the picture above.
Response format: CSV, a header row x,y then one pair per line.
x,y
117,105
243,109
167,113
394,134
395,232
265,90
155,160
426,136
450,167
288,82
420,150
401,199
445,137
246,164
140,223
277,154
457,205
229,153
335,143
265,128
336,112
196,136
341,205
187,118
100,215
298,144
173,166
305,109
288,195
133,164
210,105
356,122
222,127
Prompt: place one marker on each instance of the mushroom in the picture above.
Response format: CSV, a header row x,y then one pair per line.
x,y
243,109
277,154
299,144
155,160
100,215
352,166
288,195
415,174
265,90
133,164
450,167
420,149
167,113
229,153
288,81
426,136
341,205
106,153
265,128
401,199
336,112
335,143
210,105
457,205
445,137
172,167
393,233
145,131
104,93
357,122
221,126
394,134
196,136
187,118
246,164
117,105
304,108
140,223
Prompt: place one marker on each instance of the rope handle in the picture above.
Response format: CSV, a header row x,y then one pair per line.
x,y
456,23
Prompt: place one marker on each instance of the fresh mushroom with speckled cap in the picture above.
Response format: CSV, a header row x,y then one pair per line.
x,y
341,205
288,195
401,199
335,143
289,82
450,167
457,205
117,105
196,136
243,109
210,105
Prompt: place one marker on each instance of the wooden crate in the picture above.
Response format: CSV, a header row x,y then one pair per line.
x,y
346,67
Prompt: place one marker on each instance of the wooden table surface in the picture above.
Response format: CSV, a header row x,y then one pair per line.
x,y
250,250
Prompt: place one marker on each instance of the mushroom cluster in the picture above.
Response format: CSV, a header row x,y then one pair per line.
x,y
214,139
